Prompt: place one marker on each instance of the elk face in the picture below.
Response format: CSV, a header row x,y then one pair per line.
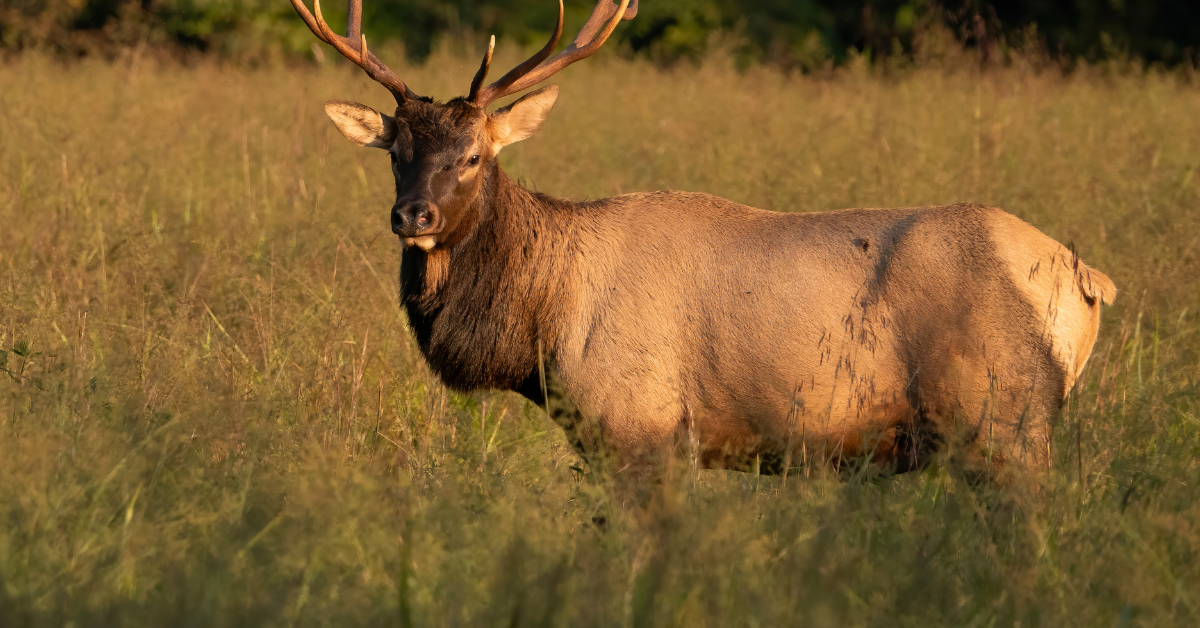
x,y
440,155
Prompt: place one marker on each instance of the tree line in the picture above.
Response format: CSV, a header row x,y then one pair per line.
x,y
797,34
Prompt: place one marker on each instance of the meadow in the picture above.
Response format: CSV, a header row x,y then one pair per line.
x,y
212,413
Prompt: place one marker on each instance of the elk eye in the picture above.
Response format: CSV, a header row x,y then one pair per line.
x,y
474,161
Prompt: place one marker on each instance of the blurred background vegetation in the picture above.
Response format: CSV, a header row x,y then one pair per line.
x,y
793,34
211,413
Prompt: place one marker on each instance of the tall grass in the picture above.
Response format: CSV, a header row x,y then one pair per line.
x,y
211,412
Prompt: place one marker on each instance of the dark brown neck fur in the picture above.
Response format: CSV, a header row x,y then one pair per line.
x,y
480,308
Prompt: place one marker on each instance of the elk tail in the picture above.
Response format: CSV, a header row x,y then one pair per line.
x,y
1095,284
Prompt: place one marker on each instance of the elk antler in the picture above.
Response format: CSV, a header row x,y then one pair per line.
x,y
354,45
537,68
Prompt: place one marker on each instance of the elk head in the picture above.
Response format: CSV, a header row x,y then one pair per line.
x,y
442,153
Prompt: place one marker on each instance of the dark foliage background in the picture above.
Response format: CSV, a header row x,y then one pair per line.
x,y
802,34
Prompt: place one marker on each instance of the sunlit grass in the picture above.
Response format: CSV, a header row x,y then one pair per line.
x,y
211,410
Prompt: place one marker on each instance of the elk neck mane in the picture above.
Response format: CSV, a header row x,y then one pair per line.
x,y
483,309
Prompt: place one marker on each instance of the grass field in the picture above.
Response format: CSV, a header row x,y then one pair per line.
x,y
211,412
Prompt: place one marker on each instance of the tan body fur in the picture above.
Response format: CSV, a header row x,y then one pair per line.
x,y
763,335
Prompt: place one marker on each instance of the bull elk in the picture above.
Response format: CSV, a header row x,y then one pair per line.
x,y
648,320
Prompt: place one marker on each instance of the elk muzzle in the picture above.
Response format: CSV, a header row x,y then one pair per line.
x,y
417,223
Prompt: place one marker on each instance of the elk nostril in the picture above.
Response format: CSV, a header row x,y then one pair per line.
x,y
423,217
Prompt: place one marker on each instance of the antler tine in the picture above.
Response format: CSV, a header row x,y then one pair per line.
x,y
591,37
483,70
354,45
497,89
353,19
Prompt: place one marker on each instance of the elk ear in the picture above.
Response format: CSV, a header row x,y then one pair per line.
x,y
361,124
522,118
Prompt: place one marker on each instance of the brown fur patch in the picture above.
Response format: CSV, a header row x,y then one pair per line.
x,y
437,270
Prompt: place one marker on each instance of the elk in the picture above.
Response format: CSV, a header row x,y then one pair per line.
x,y
650,322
